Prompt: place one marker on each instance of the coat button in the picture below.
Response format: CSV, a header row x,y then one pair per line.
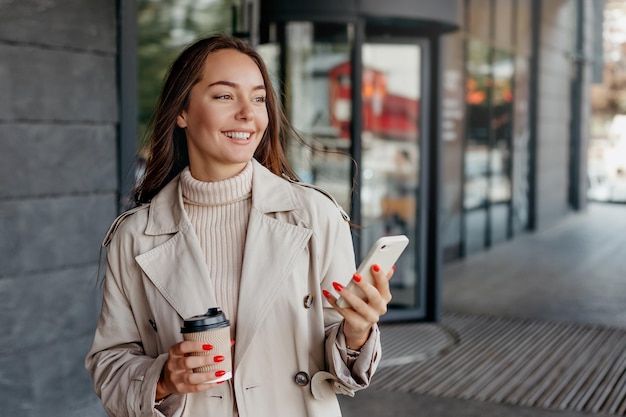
x,y
302,378
308,301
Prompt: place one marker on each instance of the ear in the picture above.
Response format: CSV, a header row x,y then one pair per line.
x,y
181,121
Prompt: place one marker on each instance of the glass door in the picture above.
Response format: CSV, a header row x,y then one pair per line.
x,y
390,157
317,102
366,154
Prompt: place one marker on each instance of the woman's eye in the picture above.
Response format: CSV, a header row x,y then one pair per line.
x,y
260,99
223,97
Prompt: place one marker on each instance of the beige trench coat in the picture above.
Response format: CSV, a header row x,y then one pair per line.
x,y
298,243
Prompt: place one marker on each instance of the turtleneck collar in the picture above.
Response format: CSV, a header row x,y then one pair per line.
x,y
227,191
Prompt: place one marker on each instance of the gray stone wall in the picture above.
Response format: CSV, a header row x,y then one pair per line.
x,y
58,146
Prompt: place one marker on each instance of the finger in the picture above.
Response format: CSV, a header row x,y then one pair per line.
x,y
332,300
360,310
381,282
186,347
189,363
204,379
377,299
349,295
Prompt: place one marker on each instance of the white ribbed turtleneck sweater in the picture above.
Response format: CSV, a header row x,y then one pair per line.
x,y
219,212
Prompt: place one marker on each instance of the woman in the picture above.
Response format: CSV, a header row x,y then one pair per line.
x,y
218,224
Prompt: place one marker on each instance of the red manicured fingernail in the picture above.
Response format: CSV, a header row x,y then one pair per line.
x,y
207,347
337,286
356,277
220,382
376,268
232,343
220,373
393,267
326,293
218,358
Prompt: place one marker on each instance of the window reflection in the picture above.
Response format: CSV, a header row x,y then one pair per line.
x,y
478,113
318,105
488,167
318,96
390,155
501,124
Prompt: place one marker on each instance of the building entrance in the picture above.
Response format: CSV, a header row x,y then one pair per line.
x,y
362,145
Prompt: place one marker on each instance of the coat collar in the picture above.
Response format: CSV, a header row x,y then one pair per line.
x,y
269,195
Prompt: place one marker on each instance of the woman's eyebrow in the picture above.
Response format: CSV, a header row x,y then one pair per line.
x,y
235,85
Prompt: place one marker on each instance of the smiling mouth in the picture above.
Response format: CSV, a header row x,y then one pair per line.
x,y
238,135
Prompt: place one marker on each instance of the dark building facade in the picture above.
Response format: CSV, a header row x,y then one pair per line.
x,y
469,126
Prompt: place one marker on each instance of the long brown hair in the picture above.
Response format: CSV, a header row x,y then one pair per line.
x,y
167,144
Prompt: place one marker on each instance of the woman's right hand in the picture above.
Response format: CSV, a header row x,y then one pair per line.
x,y
178,377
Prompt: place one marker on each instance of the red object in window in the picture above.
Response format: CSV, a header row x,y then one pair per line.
x,y
384,114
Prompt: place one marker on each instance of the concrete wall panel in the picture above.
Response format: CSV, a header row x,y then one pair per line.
x,y
54,85
45,159
48,308
72,24
59,388
49,381
51,233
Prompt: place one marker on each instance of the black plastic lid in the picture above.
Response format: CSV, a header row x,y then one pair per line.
x,y
214,318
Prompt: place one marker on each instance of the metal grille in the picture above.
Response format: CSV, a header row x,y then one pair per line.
x,y
553,365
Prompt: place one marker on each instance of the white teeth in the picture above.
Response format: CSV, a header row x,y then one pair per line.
x,y
238,135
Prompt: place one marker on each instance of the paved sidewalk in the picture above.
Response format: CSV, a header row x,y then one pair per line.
x,y
574,273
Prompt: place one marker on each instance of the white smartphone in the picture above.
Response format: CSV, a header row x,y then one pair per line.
x,y
384,253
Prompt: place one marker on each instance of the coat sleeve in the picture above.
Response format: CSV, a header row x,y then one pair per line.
x,y
349,375
124,376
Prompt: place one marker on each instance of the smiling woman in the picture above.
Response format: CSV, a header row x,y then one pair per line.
x,y
221,222
207,75
225,117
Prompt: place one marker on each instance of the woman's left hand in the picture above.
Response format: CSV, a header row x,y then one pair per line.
x,y
362,315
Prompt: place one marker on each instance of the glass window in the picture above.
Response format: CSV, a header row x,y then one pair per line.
x,y
478,125
501,125
318,104
488,170
390,155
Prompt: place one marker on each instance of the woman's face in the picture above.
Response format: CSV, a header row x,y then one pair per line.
x,y
226,116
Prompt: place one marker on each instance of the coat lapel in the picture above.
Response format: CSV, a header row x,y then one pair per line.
x,y
176,267
272,246
179,271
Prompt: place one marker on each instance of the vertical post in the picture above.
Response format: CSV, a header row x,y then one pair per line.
x,y
533,112
578,61
433,182
356,126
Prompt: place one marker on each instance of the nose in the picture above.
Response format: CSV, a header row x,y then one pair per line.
x,y
245,111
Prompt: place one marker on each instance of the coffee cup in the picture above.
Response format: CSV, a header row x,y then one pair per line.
x,y
211,328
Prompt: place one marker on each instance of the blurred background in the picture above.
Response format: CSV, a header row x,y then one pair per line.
x,y
473,123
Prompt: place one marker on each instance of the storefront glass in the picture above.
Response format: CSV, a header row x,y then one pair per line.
x,y
317,96
390,155
477,149
500,158
496,152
